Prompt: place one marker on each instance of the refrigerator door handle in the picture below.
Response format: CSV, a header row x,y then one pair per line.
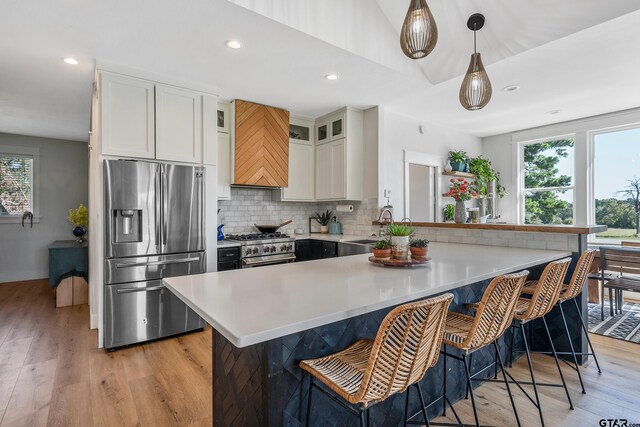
x,y
164,202
152,263
130,290
201,204
156,207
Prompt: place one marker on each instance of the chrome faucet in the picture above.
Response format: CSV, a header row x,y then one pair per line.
x,y
384,211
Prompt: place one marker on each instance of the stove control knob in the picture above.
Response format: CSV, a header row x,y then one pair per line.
x,y
247,251
289,247
266,250
283,248
273,249
255,250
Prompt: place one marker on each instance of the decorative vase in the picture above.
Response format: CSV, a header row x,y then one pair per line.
x,y
461,212
419,252
220,232
447,167
457,166
324,229
80,233
400,247
382,253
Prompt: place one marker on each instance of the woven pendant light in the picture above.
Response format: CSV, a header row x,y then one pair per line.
x,y
475,91
419,33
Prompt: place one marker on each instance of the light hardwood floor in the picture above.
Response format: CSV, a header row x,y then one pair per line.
x,y
51,373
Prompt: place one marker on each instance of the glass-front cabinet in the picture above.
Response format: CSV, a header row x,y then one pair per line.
x,y
322,132
301,130
337,127
223,117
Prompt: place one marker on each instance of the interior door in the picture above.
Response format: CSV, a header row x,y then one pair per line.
x,y
182,209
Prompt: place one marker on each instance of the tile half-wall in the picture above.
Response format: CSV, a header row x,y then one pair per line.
x,y
249,206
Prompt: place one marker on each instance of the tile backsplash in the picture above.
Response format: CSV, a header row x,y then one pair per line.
x,y
249,206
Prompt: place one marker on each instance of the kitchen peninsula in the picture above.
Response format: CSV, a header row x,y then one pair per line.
x,y
266,320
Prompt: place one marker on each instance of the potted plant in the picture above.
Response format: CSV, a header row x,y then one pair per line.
x,y
419,248
400,234
448,212
79,218
382,249
458,160
461,191
324,219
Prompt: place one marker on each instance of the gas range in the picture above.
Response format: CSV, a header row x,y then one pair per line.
x,y
264,249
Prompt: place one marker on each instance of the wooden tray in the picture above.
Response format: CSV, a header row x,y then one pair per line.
x,y
411,262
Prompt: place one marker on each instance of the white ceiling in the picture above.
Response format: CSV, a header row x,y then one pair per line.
x,y
579,56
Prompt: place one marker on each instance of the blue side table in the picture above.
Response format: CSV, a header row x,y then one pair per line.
x,y
67,258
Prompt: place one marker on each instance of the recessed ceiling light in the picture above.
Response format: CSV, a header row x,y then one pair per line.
x,y
71,61
552,112
331,77
233,44
510,88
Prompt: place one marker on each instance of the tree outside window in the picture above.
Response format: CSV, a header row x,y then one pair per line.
x,y
548,182
16,182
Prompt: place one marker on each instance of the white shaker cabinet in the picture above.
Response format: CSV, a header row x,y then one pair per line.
x,y
178,124
209,130
340,158
224,166
127,116
301,174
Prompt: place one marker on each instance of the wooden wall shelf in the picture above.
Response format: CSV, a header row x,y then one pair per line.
x,y
460,174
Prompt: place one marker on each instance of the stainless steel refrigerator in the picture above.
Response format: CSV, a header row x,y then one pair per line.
x,y
154,228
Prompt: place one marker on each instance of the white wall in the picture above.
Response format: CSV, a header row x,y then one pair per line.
x,y
402,133
502,150
63,178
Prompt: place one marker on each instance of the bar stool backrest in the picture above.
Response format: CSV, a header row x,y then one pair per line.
x,y
622,260
579,275
406,345
548,290
495,310
631,244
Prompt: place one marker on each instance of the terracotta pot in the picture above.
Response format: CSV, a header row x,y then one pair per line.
x,y
324,229
419,252
382,253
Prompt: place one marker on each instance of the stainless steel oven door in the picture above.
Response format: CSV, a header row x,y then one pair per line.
x,y
260,261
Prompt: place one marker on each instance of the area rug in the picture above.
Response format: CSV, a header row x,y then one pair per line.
x,y
625,326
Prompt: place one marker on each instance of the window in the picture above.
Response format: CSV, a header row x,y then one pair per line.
x,y
16,184
616,184
548,183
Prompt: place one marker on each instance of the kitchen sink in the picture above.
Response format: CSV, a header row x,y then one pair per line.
x,y
363,241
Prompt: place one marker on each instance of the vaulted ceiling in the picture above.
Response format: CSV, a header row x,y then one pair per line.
x,y
577,56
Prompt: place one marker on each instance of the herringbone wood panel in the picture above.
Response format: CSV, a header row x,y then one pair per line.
x,y
261,145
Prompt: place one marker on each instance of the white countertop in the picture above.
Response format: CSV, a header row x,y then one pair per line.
x,y
228,244
254,305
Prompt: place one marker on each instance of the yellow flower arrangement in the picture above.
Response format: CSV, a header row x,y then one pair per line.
x,y
79,217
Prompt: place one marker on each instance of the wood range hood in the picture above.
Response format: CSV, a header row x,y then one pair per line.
x,y
260,136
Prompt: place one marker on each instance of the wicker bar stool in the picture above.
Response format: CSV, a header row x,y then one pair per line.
x,y
492,317
570,292
544,298
369,371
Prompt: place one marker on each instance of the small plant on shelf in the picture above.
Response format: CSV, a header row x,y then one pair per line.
x,y
79,218
419,248
484,173
382,249
458,160
448,212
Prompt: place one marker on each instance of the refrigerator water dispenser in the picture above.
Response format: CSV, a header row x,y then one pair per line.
x,y
128,225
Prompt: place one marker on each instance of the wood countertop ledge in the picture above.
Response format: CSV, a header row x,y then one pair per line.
x,y
537,228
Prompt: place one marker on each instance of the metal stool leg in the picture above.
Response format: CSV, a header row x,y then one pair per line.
x,y
363,418
466,396
422,404
309,401
506,382
602,301
513,334
470,388
533,378
611,302
573,352
555,356
586,332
